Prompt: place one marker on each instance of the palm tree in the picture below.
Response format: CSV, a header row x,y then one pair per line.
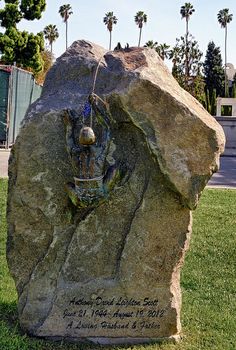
x,y
224,17
139,19
65,11
163,51
151,44
186,11
109,20
51,34
175,57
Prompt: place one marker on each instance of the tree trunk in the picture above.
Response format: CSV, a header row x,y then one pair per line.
x,y
226,80
186,54
66,34
110,42
51,47
140,34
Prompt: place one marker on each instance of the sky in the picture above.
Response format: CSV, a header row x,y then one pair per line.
x,y
164,23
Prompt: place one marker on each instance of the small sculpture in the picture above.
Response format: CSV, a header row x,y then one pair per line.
x,y
94,177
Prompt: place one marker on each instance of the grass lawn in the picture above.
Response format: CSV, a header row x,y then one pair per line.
x,y
208,283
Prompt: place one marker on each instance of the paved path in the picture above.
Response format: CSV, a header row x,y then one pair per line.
x,y
225,178
4,155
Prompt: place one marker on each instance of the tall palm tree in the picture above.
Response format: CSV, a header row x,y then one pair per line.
x,y
139,19
65,11
224,17
51,33
109,20
186,11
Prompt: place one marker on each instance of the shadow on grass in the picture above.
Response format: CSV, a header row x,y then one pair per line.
x,y
8,313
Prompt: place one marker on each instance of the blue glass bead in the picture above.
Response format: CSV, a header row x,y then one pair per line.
x,y
87,110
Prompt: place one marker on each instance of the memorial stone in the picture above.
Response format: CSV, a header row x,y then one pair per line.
x,y
105,172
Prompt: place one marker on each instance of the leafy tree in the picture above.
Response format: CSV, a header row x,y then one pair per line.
x,y
139,19
10,15
65,11
197,87
51,34
47,58
15,10
195,82
213,70
178,54
186,11
32,9
224,17
21,47
109,21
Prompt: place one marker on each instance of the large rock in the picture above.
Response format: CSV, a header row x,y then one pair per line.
x,y
100,259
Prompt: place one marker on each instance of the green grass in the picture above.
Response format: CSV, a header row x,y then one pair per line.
x,y
208,283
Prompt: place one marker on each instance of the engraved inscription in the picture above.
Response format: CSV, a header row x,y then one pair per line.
x,y
114,314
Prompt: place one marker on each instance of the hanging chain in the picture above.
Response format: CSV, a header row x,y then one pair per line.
x,y
92,94
93,89
96,74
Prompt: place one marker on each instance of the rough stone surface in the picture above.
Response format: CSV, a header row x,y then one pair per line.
x,y
108,273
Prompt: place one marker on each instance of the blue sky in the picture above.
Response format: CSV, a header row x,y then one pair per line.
x,y
164,22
